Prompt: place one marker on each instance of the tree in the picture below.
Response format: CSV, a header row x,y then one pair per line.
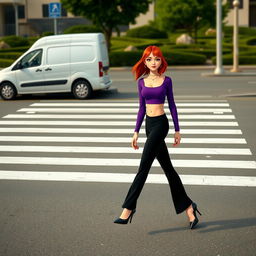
x,y
187,14
108,14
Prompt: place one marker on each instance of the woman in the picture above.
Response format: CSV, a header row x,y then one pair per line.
x,y
152,90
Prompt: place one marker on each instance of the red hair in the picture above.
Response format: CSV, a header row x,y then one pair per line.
x,y
140,69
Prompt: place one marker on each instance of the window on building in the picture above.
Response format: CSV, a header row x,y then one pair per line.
x,y
45,10
63,11
21,11
240,5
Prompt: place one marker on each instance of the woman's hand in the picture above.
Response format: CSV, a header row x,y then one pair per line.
x,y
177,139
134,141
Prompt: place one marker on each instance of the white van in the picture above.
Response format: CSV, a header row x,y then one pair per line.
x,y
76,63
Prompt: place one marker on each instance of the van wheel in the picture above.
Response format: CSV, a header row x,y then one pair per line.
x,y
8,91
82,89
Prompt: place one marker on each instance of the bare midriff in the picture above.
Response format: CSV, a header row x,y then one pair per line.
x,y
154,109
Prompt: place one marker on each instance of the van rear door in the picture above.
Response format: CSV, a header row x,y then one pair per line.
x,y
103,59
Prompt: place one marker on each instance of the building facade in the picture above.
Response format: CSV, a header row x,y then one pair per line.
x,y
31,17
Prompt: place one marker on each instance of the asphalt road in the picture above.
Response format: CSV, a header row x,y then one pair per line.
x,y
75,216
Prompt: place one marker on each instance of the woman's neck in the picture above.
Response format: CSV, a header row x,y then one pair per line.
x,y
154,73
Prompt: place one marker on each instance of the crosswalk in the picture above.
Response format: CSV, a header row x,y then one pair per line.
x,y
90,136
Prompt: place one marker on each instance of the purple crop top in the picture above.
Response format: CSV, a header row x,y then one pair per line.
x,y
156,95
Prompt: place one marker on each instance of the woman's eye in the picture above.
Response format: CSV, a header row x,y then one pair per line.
x,y
148,59
158,59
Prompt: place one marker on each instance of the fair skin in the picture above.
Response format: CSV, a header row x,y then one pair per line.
x,y
154,79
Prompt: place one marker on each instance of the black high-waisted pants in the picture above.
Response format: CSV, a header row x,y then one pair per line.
x,y
157,128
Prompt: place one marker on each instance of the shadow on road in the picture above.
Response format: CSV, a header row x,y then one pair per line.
x,y
213,226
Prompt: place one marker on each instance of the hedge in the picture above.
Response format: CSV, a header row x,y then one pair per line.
x,y
15,41
244,60
10,55
120,58
21,49
5,63
82,29
146,31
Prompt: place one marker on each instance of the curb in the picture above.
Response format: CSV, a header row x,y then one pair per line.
x,y
230,74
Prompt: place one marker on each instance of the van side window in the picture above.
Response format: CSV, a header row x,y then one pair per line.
x,y
82,53
57,55
32,59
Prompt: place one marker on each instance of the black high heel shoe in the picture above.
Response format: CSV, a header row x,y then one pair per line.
x,y
195,221
125,221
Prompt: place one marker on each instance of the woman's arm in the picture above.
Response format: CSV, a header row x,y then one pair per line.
x,y
142,108
172,106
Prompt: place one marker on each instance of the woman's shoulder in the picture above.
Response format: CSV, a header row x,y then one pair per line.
x,y
168,78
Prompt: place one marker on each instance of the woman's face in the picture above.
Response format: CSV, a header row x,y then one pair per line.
x,y
153,62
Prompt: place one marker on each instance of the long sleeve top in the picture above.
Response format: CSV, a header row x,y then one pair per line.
x,y
156,95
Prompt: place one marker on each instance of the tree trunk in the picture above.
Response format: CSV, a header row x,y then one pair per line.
x,y
196,33
108,34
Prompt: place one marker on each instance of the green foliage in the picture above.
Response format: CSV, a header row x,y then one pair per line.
x,y
15,49
184,58
47,33
10,55
119,58
190,15
120,43
83,29
5,63
108,14
228,30
244,58
15,41
250,41
194,49
146,31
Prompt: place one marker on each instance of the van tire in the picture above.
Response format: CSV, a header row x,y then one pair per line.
x,y
82,89
8,91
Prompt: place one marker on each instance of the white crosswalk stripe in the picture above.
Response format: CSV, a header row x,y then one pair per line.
x,y
202,151
206,123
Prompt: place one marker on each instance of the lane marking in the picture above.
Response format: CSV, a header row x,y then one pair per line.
x,y
123,104
118,110
208,180
126,162
99,116
112,130
120,139
108,150
110,123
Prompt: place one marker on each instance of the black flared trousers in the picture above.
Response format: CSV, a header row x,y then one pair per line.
x,y
157,128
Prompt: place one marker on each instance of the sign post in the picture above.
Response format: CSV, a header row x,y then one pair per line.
x,y
55,12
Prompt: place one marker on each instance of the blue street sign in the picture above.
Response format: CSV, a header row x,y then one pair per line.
x,y
54,10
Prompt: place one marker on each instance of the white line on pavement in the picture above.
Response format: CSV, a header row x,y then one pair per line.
x,y
109,123
118,150
126,162
118,104
120,139
210,180
112,130
118,110
106,116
